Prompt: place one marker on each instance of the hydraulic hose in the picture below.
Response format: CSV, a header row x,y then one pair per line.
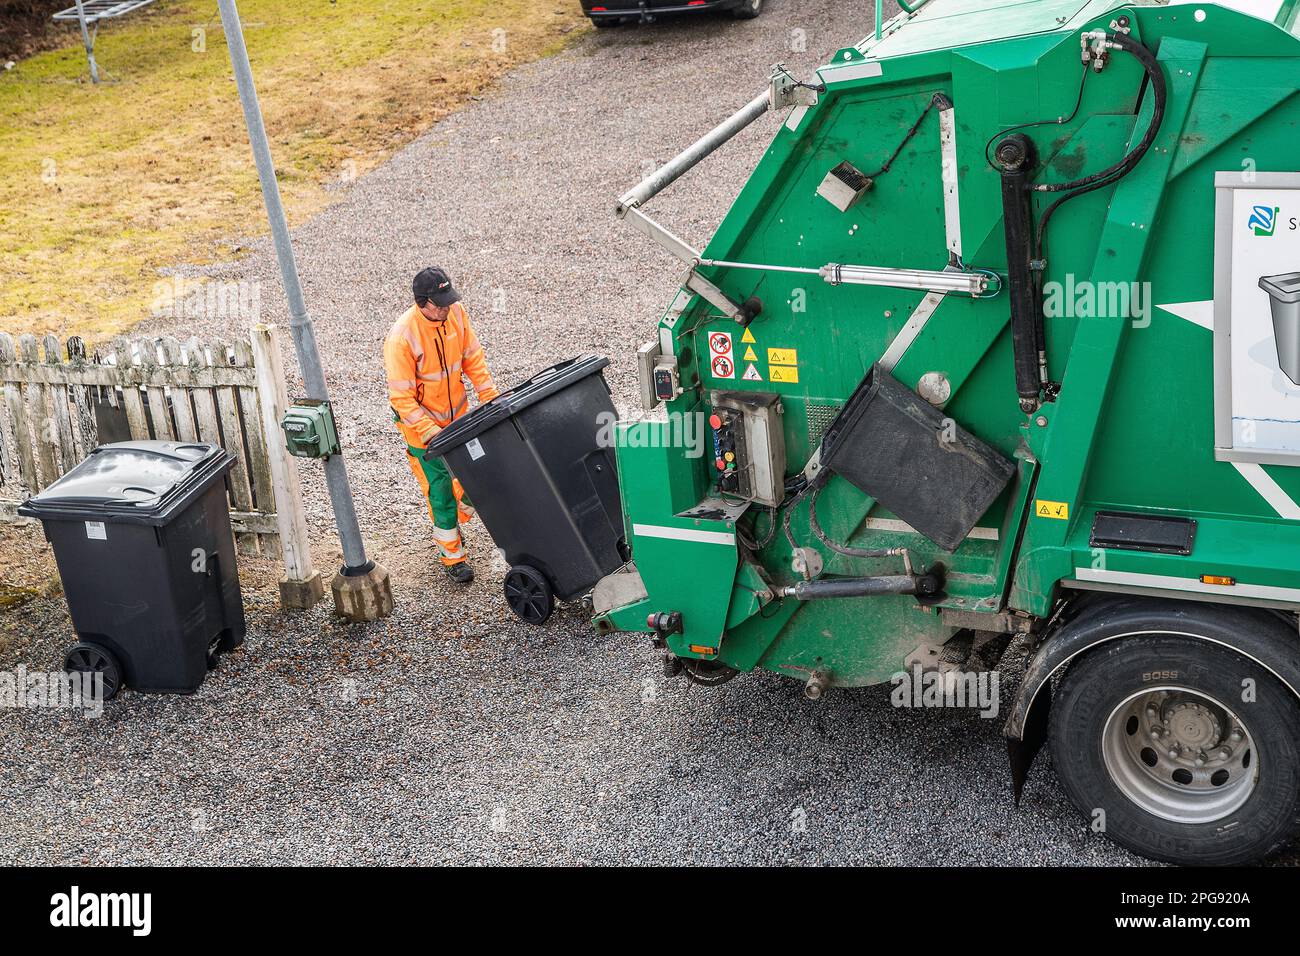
x,y
1159,90
835,545
1087,184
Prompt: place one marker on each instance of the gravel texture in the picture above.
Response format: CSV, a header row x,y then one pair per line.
x,y
451,733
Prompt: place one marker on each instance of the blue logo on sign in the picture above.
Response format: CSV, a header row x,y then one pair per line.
x,y
1263,219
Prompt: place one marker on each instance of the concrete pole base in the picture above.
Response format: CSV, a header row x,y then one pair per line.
x,y
301,595
365,597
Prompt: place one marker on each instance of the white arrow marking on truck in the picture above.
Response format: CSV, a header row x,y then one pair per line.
x,y
1198,313
1269,490
904,339
683,534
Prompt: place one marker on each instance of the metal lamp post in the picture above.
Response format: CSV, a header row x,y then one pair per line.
x,y
361,588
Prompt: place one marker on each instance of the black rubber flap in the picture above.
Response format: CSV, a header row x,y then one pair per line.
x,y
515,400
914,460
142,482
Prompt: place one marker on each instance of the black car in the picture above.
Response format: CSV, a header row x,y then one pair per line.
x,y
608,13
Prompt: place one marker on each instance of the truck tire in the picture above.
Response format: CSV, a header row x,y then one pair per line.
x,y
1179,749
747,10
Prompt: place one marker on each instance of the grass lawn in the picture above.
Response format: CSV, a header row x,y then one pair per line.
x,y
102,185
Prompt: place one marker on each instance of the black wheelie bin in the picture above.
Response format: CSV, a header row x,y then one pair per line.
x,y
535,466
141,533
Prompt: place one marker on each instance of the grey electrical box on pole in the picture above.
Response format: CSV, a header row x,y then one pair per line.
x,y
361,588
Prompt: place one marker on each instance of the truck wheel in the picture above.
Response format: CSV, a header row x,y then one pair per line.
x,y
86,658
529,594
747,10
707,673
1180,750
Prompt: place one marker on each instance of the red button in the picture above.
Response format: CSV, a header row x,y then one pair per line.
x,y
715,422
722,465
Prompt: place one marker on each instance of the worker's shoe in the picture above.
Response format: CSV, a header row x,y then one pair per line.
x,y
460,572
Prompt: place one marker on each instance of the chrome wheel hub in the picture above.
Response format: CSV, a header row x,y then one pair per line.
x,y
1180,755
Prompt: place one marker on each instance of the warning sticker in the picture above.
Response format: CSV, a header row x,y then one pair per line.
x,y
722,360
752,373
1052,509
748,337
751,355
782,373
783,356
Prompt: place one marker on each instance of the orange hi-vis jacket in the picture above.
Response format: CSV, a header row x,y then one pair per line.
x,y
425,361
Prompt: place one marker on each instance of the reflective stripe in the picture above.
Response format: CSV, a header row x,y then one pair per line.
x,y
439,375
458,317
413,341
449,544
446,417
401,384
416,417
474,349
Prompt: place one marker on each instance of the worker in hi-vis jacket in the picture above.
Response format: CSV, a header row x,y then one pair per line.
x,y
428,350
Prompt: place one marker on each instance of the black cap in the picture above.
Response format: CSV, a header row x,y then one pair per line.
x,y
434,285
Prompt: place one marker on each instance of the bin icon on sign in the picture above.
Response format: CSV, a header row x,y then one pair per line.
x,y
1284,291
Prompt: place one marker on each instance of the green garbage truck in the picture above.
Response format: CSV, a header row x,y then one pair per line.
x,y
995,345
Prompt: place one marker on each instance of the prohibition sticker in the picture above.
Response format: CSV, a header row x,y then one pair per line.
x,y
722,359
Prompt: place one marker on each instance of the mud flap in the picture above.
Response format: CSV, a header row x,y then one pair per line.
x,y
1022,751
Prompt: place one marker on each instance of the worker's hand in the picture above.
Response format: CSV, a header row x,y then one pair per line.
x,y
487,395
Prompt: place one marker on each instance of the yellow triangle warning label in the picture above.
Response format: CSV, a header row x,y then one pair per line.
x,y
752,374
750,355
748,336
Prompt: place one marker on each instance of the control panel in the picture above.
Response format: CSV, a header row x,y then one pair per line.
x,y
748,446
729,452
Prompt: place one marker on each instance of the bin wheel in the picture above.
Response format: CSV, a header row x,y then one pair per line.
x,y
85,658
529,594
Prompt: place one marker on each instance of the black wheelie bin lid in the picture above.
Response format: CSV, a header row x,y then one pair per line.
x,y
132,482
511,402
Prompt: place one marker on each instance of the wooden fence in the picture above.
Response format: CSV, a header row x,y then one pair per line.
x,y
58,403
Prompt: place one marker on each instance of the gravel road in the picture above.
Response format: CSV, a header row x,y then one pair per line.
x,y
451,733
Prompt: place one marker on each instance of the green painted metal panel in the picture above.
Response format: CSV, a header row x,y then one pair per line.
x,y
1133,426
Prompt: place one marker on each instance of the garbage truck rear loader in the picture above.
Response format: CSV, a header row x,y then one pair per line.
x,y
980,353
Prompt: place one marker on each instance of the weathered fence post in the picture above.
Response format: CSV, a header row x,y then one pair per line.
x,y
302,585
